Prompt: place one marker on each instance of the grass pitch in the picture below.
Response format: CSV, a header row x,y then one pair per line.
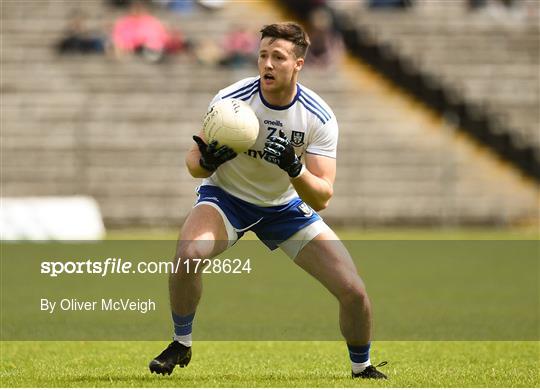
x,y
270,364
314,363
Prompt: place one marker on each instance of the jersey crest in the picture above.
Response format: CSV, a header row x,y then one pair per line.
x,y
297,138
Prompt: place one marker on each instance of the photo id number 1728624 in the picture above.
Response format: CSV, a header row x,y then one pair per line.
x,y
218,266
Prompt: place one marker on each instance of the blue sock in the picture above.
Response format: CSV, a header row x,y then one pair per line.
x,y
182,328
359,357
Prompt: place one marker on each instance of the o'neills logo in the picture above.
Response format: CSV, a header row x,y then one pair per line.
x,y
273,123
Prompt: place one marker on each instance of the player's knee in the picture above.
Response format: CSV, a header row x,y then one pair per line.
x,y
354,295
191,251
191,257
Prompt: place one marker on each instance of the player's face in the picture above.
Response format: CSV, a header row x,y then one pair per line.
x,y
278,65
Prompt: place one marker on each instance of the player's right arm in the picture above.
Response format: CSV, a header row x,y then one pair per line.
x,y
193,165
203,159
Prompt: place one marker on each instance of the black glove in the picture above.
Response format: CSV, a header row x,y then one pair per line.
x,y
279,151
212,156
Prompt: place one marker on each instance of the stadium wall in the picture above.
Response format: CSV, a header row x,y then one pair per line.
x,y
117,131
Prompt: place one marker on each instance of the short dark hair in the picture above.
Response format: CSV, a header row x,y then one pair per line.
x,y
288,31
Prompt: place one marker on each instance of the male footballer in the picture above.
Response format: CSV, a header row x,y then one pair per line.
x,y
275,192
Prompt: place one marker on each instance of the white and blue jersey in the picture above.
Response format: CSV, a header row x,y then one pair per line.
x,y
253,194
307,121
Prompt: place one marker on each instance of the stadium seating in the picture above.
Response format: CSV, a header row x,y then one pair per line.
x,y
492,60
118,131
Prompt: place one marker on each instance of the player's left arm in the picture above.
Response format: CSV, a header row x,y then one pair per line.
x,y
315,185
313,182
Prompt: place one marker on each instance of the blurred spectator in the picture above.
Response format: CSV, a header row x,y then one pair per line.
x,y
211,5
239,47
304,7
119,3
208,52
181,6
326,43
77,39
478,4
129,3
161,3
390,3
140,32
506,12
